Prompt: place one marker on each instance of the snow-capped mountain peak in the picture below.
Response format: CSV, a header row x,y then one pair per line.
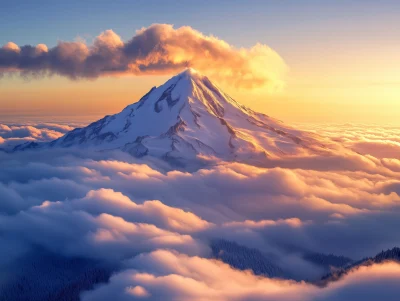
x,y
187,117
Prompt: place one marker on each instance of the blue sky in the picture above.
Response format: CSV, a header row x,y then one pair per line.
x,y
281,24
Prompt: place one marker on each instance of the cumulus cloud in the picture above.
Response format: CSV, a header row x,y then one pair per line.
x,y
10,46
158,49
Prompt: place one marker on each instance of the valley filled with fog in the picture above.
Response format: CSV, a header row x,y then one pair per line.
x,y
141,228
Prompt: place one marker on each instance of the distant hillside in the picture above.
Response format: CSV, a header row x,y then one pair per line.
x,y
388,255
45,276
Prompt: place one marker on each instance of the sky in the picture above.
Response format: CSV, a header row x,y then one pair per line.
x,y
341,58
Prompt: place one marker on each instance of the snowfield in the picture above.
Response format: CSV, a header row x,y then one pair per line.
x,y
189,117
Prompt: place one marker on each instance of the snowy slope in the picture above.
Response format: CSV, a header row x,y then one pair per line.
x,y
187,117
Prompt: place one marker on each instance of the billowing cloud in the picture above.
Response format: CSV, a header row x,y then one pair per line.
x,y
170,276
73,232
155,212
157,224
301,203
13,135
12,47
158,49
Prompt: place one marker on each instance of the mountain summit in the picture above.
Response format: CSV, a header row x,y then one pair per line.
x,y
189,117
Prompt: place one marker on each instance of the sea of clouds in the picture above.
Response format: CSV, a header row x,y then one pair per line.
x,y
156,223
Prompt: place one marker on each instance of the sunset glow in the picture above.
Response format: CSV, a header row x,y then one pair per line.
x,y
200,150
337,70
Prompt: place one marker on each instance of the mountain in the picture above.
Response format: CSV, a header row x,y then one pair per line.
x,y
190,117
384,256
42,275
244,258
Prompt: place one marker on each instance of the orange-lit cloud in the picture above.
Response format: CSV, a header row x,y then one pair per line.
x,y
12,47
10,136
175,219
158,224
158,49
171,276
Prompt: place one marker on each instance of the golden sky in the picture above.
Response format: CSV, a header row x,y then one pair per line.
x,y
343,66
334,89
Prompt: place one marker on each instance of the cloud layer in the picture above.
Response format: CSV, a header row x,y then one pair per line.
x,y
16,134
156,223
170,276
158,49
